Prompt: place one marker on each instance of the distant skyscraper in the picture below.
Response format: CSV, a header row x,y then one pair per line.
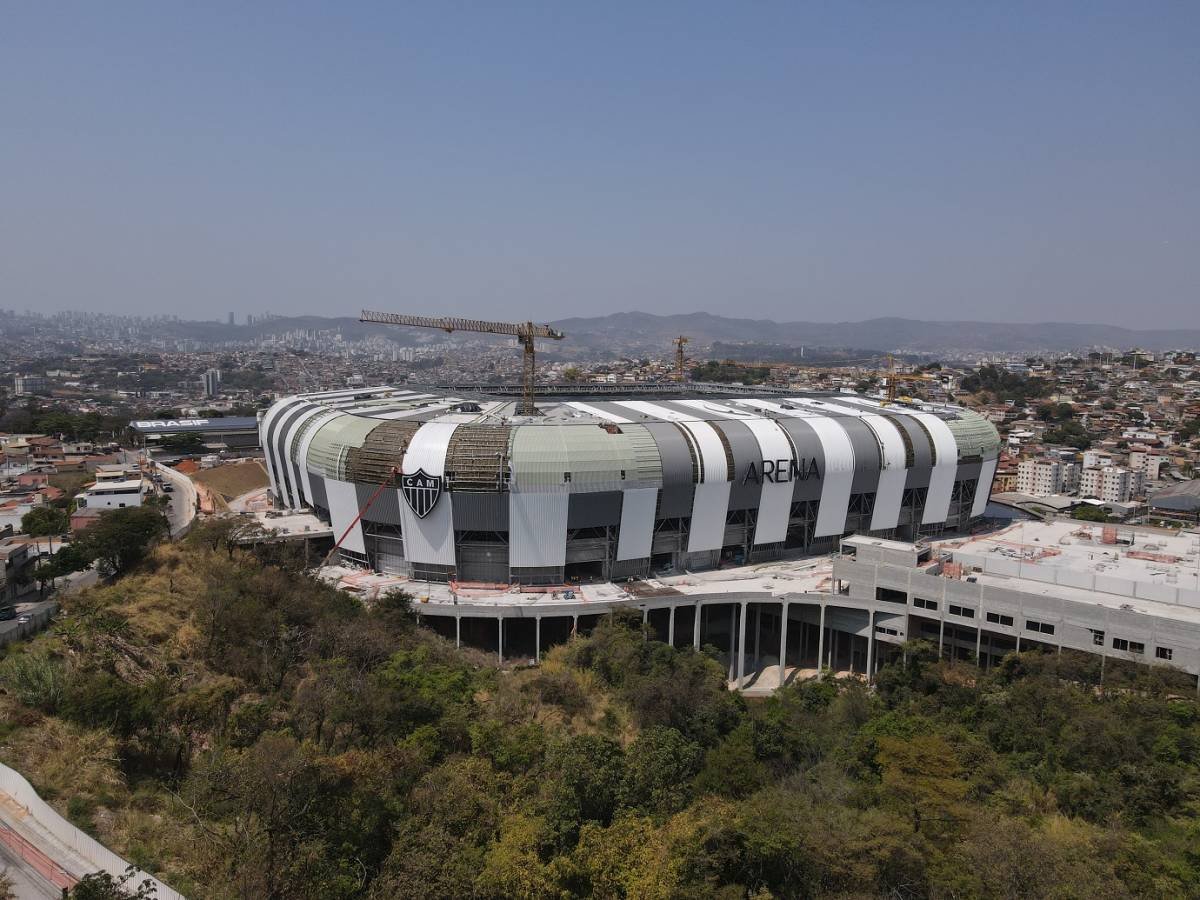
x,y
231,319
212,382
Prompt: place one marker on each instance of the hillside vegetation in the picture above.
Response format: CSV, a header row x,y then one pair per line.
x,y
245,731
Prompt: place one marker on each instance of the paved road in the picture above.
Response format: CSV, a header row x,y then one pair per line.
x,y
183,500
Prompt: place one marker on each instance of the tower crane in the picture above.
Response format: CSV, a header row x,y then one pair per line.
x,y
679,342
894,377
525,332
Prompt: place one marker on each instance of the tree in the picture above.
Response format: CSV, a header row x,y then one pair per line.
x,y
120,538
103,886
45,521
920,775
1090,514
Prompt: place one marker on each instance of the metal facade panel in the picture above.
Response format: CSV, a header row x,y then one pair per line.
x,y
708,516
866,455
291,458
637,523
808,449
838,478
594,509
941,479
302,452
678,487
647,464
598,412
267,432
429,540
480,510
343,511
317,494
890,493
385,508
281,430
983,489
775,503
537,529
744,492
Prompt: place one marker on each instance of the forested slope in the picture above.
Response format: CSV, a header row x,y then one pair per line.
x,y
244,731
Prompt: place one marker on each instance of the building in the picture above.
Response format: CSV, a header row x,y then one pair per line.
x,y
616,489
1150,465
115,487
1043,477
1112,484
227,433
1179,503
31,384
212,382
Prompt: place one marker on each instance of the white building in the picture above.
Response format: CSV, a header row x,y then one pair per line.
x,y
1043,477
1148,464
212,382
1112,484
115,487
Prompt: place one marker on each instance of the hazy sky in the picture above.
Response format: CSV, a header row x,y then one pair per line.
x,y
826,161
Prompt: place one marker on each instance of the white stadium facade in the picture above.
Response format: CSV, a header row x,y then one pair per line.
x,y
789,533
606,490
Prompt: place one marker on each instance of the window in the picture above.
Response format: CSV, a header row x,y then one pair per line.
x,y
922,603
1163,652
997,619
965,611
566,477
881,629
1097,637
1130,646
1042,627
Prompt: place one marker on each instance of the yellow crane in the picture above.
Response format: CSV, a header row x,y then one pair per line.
x,y
679,342
525,332
894,377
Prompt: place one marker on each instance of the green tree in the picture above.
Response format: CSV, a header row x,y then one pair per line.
x,y
45,521
121,538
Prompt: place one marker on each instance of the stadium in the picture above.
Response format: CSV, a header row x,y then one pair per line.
x,y
441,488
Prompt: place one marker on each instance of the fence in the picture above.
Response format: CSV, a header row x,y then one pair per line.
x,y
90,850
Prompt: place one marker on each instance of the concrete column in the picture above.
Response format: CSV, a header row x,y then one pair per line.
x,y
500,638
941,636
645,614
574,625
671,626
696,627
537,639
821,641
741,659
458,631
870,644
783,625
757,635
978,636
733,611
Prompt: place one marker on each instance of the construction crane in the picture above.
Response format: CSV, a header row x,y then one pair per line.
x,y
525,332
679,342
893,377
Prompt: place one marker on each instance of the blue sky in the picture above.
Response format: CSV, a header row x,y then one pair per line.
x,y
795,161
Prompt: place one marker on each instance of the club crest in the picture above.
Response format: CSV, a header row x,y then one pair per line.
x,y
421,491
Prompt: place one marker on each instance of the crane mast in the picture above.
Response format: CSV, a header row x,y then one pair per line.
x,y
679,342
525,332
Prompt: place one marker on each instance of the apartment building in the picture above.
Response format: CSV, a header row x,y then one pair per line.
x,y
1112,484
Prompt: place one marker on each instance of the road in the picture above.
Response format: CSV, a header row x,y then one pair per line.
x,y
182,508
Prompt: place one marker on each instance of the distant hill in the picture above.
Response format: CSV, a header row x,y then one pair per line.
x,y
631,332
883,334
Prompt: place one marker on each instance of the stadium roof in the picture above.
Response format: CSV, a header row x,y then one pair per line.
x,y
198,426
1184,497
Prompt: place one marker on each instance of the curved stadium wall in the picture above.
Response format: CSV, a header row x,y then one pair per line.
x,y
615,489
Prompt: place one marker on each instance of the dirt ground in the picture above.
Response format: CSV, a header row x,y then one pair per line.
x,y
233,479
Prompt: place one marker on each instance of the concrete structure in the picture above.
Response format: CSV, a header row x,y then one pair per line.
x,y
31,384
1115,592
1112,484
234,432
115,487
610,489
211,381
1042,477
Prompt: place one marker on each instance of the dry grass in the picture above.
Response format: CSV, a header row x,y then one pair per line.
x,y
233,479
